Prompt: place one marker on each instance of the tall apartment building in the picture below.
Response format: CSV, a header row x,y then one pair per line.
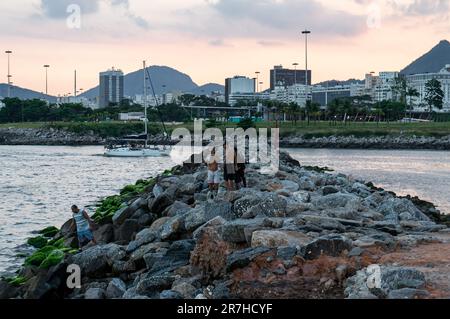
x,y
280,76
111,87
239,87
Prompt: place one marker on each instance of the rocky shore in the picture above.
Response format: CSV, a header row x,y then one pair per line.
x,y
303,233
44,136
376,142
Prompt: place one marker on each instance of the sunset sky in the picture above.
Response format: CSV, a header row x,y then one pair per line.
x,y
214,39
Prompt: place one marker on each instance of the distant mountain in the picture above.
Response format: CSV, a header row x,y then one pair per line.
x,y
431,62
24,94
208,89
336,82
165,79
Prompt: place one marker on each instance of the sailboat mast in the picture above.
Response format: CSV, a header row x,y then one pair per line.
x,y
145,103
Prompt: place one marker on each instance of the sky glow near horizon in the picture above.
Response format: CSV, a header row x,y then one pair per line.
x,y
214,39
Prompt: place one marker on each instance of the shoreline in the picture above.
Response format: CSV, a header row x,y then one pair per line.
x,y
53,137
311,232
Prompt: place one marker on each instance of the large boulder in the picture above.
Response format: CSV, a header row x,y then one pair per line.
x,y
279,238
176,256
145,236
104,234
126,212
96,260
177,208
94,293
240,230
386,282
202,214
272,205
331,245
126,231
396,209
160,203
241,258
243,204
116,288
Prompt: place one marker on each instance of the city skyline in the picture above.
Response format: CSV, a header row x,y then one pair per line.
x,y
211,40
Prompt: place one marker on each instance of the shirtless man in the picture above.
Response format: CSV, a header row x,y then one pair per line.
x,y
213,174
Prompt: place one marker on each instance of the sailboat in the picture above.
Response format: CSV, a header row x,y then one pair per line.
x,y
137,145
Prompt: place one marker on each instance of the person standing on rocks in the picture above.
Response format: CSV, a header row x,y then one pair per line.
x,y
213,173
241,181
229,167
84,225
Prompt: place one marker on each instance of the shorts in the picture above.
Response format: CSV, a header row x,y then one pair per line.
x,y
213,177
84,237
229,177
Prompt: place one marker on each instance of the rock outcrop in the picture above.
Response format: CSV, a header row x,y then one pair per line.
x,y
299,234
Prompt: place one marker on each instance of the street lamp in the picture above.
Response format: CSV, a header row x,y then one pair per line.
x,y
306,32
257,81
8,52
46,66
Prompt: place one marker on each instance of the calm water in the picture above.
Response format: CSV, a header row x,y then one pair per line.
x,y
39,183
418,173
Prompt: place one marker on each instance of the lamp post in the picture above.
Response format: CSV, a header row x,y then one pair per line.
x,y
257,81
306,32
46,66
8,52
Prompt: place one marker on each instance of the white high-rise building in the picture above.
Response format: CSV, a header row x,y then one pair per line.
x,y
419,81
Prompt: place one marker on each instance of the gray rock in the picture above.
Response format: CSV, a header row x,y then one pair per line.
x,y
126,212
160,203
104,234
278,238
271,206
153,284
236,231
116,289
187,291
242,205
290,186
94,293
327,190
177,208
217,221
307,184
391,279
331,245
146,220
302,196
95,260
408,293
241,258
172,227
170,294
396,209
145,236
126,231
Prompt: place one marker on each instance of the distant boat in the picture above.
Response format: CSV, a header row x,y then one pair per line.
x,y
137,145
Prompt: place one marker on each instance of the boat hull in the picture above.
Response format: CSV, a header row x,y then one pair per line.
x,y
127,152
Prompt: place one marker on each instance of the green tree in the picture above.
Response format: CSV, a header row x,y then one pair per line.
x,y
434,95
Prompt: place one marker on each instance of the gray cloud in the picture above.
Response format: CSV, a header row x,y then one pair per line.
x,y
57,9
428,7
290,15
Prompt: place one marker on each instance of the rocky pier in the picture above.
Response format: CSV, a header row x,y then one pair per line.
x,y
301,233
47,136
